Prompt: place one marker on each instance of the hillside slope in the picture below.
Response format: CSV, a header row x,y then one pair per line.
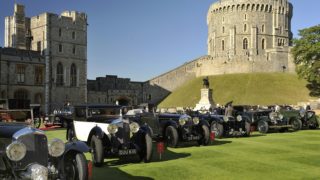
x,y
253,89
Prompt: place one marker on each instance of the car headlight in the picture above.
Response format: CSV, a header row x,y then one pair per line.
x,y
16,151
56,147
280,116
196,120
239,118
225,118
38,172
134,127
182,121
272,116
112,128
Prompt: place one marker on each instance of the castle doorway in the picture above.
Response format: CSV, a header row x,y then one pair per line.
x,y
123,101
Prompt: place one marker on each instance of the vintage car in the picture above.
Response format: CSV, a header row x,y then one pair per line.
x,y
266,120
26,154
60,118
108,134
308,118
174,128
228,126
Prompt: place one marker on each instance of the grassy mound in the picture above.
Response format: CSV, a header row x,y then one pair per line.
x,y
253,89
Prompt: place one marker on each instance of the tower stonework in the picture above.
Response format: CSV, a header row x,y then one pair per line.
x,y
244,36
62,41
253,34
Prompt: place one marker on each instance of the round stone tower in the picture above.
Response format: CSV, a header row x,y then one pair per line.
x,y
250,30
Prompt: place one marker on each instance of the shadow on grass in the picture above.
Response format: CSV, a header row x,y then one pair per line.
x,y
107,172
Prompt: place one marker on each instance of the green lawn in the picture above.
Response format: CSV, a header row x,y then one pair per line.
x,y
252,88
273,156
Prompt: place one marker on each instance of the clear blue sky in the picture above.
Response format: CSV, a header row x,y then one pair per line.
x,y
140,39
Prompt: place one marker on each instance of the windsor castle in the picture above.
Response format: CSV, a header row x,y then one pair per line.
x,y
45,56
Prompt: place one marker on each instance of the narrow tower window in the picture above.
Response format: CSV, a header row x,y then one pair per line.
x,y
245,27
263,44
222,45
59,81
60,32
73,75
245,43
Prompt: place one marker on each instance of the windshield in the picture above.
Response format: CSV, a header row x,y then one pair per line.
x,y
104,112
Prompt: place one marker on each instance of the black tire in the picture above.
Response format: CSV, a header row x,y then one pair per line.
x,y
97,151
263,127
36,122
217,128
71,135
205,136
248,128
76,167
172,136
296,124
146,153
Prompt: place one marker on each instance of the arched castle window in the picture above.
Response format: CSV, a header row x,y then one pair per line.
x,y
222,45
253,6
60,48
270,8
60,32
243,6
262,7
59,81
222,29
263,44
21,94
245,27
74,49
266,9
248,7
73,75
238,7
258,6
232,8
73,35
245,43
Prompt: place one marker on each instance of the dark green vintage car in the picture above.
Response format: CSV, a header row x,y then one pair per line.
x,y
308,118
267,120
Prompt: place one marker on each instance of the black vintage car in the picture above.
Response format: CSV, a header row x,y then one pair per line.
x,y
108,134
26,154
227,126
308,118
60,118
266,120
175,128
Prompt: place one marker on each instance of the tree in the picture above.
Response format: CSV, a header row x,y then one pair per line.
x,y
306,53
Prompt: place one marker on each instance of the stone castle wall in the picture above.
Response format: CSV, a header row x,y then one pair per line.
x,y
244,36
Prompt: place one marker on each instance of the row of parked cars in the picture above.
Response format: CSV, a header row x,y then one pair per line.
x,y
107,132
111,133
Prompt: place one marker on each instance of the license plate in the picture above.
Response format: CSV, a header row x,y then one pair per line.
x,y
127,152
193,138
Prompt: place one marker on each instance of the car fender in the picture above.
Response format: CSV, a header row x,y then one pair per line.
x,y
97,131
169,123
145,129
77,146
204,122
246,119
